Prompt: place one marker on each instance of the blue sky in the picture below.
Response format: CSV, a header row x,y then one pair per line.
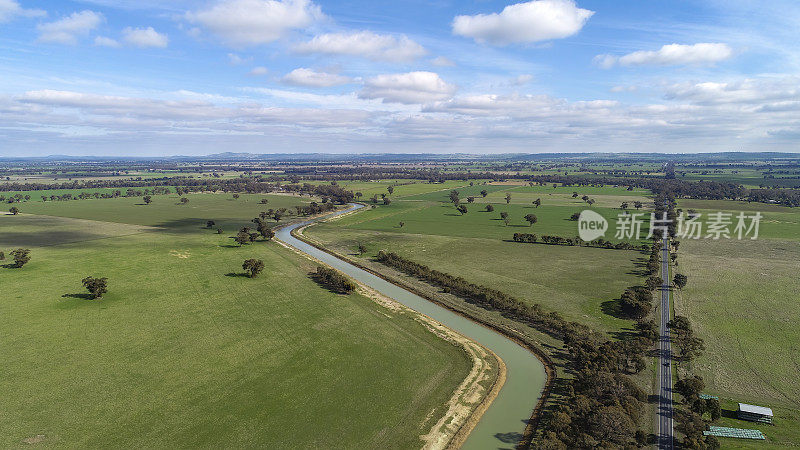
x,y
148,77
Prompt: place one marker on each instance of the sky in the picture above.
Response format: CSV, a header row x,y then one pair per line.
x,y
152,78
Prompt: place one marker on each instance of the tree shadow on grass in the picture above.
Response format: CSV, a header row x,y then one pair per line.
x,y
10,266
237,275
80,296
613,309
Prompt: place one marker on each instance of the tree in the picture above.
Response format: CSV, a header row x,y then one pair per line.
x,y
220,231
184,200
362,249
489,208
537,203
253,267
2,256
574,195
575,216
679,280
242,237
637,205
264,201
654,282
504,216
358,195
210,224
454,197
470,199
386,201
147,199
401,224
484,193
531,218
390,189
14,210
21,256
462,209
508,198
624,205
96,286
235,196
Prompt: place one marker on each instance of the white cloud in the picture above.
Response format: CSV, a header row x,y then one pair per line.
x,y
254,22
70,28
10,9
407,88
102,41
258,71
364,43
747,92
237,60
522,80
442,61
534,21
669,55
144,37
308,77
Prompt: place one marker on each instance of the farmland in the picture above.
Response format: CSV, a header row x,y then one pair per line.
x,y
183,351
741,297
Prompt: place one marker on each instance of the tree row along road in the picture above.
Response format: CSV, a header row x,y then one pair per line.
x,y
502,424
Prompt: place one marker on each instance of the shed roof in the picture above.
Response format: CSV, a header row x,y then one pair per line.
x,y
753,409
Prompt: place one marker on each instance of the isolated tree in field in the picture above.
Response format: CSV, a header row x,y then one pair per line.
x,y
624,205
362,249
210,224
402,224
531,218
504,216
537,203
358,195
508,198
470,199
253,267
14,210
220,231
585,198
637,205
454,197
21,256
590,202
574,195
680,280
386,201
235,196
184,200
489,208
484,193
462,209
242,237
264,201
96,286
575,216
147,199
390,189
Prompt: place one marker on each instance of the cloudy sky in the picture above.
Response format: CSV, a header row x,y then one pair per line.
x,y
180,77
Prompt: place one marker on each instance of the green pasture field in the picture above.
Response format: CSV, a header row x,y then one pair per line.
x,y
777,222
742,297
580,283
166,210
183,351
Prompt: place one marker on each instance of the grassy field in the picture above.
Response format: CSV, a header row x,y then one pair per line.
x,y
741,297
580,283
185,352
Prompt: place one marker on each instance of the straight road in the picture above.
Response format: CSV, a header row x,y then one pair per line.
x,y
664,411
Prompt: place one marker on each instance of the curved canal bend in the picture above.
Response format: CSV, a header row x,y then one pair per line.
x,y
503,422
